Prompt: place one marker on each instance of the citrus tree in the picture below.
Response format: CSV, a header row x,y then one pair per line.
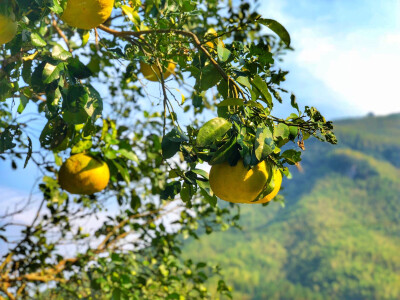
x,y
135,98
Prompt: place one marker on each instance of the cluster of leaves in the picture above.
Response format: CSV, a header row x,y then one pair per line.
x,y
86,86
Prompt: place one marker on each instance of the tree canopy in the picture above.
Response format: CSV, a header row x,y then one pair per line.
x,y
155,91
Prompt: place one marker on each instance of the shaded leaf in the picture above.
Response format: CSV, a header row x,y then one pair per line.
x,y
208,77
171,190
78,69
29,154
277,28
53,133
224,153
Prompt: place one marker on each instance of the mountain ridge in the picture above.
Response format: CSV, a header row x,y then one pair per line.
x,y
337,237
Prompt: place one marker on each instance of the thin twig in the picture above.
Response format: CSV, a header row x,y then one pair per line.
x,y
189,34
61,33
164,93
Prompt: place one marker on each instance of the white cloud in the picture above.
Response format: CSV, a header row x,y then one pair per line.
x,y
13,200
360,66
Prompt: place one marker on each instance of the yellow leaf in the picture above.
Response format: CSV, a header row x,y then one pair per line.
x,y
131,14
85,38
182,95
30,57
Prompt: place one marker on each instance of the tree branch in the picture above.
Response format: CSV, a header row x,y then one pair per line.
x,y
189,34
61,33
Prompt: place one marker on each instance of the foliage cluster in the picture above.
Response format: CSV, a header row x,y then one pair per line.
x,y
87,86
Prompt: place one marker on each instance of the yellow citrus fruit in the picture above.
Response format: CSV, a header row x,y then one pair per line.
x,y
83,174
8,28
151,72
87,14
238,184
277,177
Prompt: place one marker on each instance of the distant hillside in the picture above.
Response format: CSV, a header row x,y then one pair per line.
x,y
338,236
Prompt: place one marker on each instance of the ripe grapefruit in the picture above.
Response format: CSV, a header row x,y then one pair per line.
x,y
83,174
8,28
151,72
87,14
238,184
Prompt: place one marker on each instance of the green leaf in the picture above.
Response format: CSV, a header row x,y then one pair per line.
x,y
23,102
51,72
60,53
212,131
171,142
231,102
29,154
281,131
187,192
262,87
223,53
277,28
26,71
56,7
116,294
5,89
110,153
293,132
128,154
37,40
177,135
81,146
293,103
211,199
223,89
291,156
169,148
122,170
197,101
262,51
94,106
264,143
37,78
131,13
200,172
244,81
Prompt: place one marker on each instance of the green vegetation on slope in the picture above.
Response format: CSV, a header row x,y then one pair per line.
x,y
338,236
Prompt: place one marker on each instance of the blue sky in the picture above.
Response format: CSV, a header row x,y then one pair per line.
x,y
346,56
345,63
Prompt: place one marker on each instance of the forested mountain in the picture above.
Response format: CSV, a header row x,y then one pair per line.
x,y
338,236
